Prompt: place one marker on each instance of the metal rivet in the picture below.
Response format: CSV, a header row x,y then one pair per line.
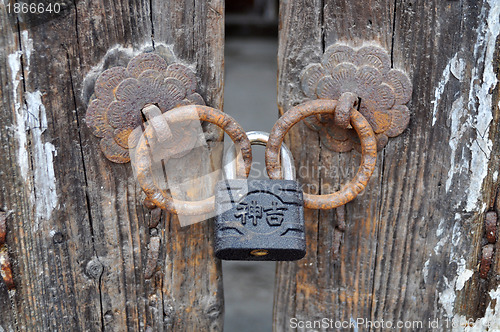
x,y
57,237
108,317
487,255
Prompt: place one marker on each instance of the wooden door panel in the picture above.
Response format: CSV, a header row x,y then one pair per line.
x,y
413,238
77,231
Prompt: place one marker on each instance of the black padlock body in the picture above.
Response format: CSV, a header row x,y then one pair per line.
x,y
259,215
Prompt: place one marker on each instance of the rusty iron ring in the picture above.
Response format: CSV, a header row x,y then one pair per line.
x,y
162,198
368,147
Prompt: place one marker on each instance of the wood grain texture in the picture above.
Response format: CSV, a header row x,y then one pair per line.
x,y
8,45
78,233
413,238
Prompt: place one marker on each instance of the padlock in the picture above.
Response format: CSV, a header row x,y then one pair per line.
x,y
259,219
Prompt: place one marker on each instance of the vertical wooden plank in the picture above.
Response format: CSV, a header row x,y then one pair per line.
x,y
454,156
192,282
300,41
356,24
412,242
9,88
78,234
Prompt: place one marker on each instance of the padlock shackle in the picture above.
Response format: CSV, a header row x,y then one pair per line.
x,y
259,138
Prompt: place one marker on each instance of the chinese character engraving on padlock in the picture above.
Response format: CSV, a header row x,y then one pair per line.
x,y
260,219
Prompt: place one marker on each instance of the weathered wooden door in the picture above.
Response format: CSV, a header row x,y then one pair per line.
x,y
414,240
413,243
77,232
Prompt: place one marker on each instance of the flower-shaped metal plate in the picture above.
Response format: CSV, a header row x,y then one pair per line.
x,y
122,93
366,72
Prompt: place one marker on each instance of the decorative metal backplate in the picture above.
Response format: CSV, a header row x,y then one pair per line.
x,y
366,72
121,94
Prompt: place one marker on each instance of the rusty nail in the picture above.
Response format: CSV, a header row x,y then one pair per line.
x,y
152,260
491,226
5,268
155,218
487,255
159,123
